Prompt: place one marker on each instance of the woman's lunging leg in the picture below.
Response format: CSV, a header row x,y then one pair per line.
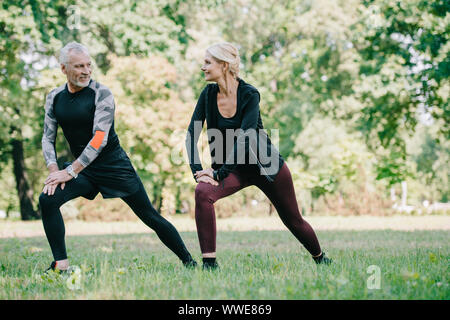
x,y
205,217
142,207
282,195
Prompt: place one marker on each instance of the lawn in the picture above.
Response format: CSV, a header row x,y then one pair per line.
x,y
264,264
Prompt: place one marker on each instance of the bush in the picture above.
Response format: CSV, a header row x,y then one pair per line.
x,y
101,209
354,200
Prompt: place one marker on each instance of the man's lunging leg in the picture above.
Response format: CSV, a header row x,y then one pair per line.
x,y
142,207
51,215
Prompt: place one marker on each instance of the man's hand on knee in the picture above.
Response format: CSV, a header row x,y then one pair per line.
x,y
50,188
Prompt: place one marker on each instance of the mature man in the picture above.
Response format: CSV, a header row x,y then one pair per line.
x,y
84,109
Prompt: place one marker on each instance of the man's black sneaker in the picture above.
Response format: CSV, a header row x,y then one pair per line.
x,y
323,259
191,264
53,268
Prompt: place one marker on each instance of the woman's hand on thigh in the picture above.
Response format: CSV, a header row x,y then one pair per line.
x,y
207,172
207,179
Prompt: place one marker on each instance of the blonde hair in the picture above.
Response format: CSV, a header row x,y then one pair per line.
x,y
226,52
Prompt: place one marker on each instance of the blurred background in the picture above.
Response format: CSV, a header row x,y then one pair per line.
x,y
358,91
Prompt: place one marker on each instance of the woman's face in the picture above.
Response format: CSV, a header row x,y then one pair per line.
x,y
212,68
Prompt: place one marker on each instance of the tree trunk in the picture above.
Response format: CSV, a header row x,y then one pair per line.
x,y
23,188
178,202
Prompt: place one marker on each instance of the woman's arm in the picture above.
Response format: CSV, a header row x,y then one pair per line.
x,y
194,131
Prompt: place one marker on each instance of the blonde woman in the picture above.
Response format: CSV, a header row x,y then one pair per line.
x,y
242,154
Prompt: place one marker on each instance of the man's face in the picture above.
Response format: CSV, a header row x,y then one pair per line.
x,y
78,69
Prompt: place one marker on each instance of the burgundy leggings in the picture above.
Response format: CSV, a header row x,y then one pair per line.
x,y
280,192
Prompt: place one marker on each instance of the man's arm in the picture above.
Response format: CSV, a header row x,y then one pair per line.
x,y
49,136
103,120
48,141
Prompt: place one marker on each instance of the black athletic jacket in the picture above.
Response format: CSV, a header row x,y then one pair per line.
x,y
248,119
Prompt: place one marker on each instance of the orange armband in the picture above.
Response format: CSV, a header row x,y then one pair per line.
x,y
97,139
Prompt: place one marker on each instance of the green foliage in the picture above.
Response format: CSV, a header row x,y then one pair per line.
x,y
404,67
429,159
150,116
346,83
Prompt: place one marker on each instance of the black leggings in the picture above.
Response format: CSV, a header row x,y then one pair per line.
x,y
138,202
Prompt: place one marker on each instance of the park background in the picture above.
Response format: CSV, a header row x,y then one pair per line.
x,y
358,91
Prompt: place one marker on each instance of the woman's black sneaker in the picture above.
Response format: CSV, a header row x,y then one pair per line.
x,y
323,259
210,264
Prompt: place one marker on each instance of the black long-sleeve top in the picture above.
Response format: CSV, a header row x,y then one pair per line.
x,y
249,149
87,121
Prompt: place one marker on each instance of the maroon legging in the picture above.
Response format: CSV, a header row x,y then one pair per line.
x,y
280,192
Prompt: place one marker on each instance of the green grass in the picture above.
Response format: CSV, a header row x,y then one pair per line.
x,y
254,265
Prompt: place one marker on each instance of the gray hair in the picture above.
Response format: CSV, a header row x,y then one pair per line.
x,y
72,46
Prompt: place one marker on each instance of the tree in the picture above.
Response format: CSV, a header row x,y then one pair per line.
x,y
30,34
18,36
151,121
403,75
